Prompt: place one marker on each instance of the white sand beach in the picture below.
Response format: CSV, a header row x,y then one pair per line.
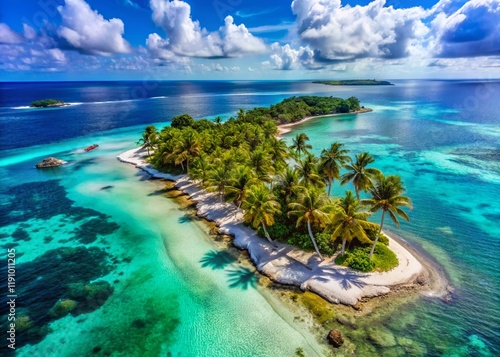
x,y
286,264
286,128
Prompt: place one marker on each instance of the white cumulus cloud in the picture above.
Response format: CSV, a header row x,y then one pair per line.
x,y
89,32
186,37
342,32
472,30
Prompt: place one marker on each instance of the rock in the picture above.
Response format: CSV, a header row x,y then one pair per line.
x,y
49,162
23,323
335,338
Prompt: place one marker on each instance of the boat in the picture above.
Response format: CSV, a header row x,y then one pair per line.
x,y
91,147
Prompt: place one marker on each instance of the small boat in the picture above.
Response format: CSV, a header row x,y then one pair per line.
x,y
91,147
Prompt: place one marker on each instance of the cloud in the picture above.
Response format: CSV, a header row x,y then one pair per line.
x,y
471,31
187,38
271,28
7,35
345,33
287,58
89,32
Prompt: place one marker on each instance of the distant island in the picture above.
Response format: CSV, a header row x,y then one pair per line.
x,y
356,82
46,103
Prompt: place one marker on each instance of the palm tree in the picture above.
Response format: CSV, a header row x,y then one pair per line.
x,y
360,175
348,222
187,148
149,138
387,196
299,144
308,171
200,168
331,161
288,181
260,161
278,151
260,206
241,178
312,207
218,179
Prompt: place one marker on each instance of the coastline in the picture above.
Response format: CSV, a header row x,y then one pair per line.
x,y
286,128
290,266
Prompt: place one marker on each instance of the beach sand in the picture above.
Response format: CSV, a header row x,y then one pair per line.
x,y
286,128
288,265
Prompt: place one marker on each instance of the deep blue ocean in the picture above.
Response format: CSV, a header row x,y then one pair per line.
x,y
91,226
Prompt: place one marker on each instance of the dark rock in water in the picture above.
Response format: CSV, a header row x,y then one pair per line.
x,y
109,187
335,338
49,162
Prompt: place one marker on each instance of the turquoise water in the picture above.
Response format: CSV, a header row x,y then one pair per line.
x,y
149,281
164,300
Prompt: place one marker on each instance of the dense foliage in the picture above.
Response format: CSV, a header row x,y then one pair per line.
x,y
282,190
296,108
356,82
46,103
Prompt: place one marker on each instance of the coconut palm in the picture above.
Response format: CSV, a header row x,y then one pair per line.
x,y
299,144
387,196
149,138
241,179
361,176
287,182
278,151
349,222
331,161
200,168
187,148
308,171
218,179
260,161
260,206
312,207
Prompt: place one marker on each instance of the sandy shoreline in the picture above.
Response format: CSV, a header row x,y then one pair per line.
x,y
286,128
288,265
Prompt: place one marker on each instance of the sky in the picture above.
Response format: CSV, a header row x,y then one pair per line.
x,y
244,40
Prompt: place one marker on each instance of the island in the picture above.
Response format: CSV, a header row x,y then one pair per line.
x,y
48,103
356,82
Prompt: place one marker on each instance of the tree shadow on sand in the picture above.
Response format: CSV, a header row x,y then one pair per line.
x,y
347,279
242,278
217,260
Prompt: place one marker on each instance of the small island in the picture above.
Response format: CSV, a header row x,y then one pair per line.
x,y
356,82
275,199
48,103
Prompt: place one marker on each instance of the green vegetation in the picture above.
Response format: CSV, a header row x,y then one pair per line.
x,y
44,103
358,258
283,190
356,82
320,308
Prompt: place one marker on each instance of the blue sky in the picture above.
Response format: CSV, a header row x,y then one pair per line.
x,y
242,39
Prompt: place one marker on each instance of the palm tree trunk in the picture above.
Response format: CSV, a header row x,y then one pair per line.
x,y
329,187
357,192
313,240
343,246
187,165
378,235
267,234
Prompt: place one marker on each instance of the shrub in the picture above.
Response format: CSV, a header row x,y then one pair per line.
x,y
325,245
357,259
